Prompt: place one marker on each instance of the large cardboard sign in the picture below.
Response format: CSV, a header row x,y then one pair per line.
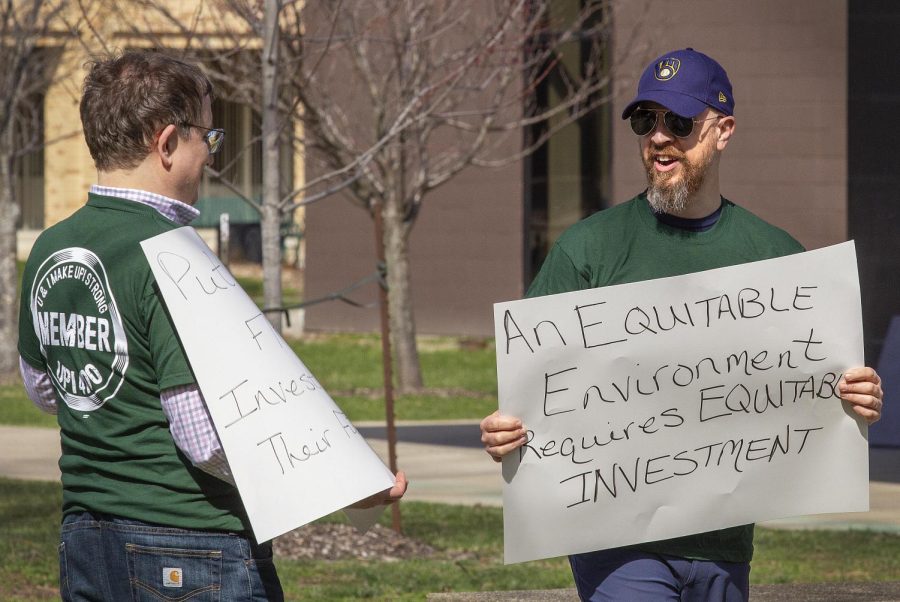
x,y
294,455
681,405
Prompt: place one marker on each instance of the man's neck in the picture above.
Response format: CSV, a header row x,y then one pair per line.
x,y
121,178
139,178
706,200
697,208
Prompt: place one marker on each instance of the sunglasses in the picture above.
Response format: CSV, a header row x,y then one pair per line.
x,y
643,121
214,137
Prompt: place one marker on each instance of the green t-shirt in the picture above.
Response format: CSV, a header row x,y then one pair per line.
x,y
91,316
627,243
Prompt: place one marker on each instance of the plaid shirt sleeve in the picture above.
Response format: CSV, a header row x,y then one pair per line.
x,y
38,387
189,420
193,431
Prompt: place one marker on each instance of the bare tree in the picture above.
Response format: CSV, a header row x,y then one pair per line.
x,y
394,99
444,85
248,47
32,37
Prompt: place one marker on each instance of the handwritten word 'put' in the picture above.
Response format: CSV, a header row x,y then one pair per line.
x,y
195,279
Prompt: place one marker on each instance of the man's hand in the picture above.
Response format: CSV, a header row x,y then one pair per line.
x,y
501,435
861,388
388,496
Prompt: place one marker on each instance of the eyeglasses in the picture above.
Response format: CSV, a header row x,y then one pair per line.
x,y
643,121
214,137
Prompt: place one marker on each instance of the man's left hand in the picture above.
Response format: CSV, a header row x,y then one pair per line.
x,y
861,388
388,496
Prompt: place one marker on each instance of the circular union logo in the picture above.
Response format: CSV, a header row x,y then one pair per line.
x,y
79,328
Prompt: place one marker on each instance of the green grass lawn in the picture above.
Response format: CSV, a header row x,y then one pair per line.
x,y
16,409
460,384
29,532
345,361
817,556
254,289
460,378
469,542
460,381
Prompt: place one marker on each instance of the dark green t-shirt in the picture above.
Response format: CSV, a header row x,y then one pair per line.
x,y
91,317
627,243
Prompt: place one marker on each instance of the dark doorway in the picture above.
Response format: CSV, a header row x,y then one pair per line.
x,y
873,123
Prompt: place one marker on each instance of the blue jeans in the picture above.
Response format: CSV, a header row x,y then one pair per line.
x,y
612,575
105,559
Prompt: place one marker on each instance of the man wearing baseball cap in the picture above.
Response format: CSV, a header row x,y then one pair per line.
x,y
683,116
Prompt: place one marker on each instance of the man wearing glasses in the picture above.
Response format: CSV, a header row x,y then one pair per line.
x,y
683,116
149,505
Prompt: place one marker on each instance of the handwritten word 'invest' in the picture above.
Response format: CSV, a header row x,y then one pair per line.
x,y
248,401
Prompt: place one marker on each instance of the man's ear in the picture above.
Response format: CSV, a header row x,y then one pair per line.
x,y
166,143
724,129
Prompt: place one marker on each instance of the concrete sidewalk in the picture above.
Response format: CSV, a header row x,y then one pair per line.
x,y
440,473
29,453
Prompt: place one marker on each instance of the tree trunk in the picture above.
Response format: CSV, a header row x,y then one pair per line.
x,y
271,194
9,213
403,326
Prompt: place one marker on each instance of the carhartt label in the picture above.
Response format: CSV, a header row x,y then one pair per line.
x,y
171,577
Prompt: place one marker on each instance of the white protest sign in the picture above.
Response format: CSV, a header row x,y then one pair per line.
x,y
294,455
681,405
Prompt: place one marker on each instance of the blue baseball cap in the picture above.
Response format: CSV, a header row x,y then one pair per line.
x,y
686,82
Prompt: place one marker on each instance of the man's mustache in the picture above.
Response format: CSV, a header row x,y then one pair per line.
x,y
665,149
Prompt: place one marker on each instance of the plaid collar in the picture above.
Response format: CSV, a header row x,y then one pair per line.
x,y
180,213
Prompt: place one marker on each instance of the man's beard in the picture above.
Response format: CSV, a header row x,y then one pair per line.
x,y
666,196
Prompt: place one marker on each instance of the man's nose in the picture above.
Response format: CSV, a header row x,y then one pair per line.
x,y
661,134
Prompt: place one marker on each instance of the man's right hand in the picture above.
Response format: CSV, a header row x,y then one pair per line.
x,y
501,434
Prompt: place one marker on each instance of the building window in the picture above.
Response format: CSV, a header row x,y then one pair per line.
x,y
240,159
568,177
28,168
240,163
29,189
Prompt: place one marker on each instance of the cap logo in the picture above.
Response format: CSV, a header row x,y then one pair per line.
x,y
722,97
666,69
